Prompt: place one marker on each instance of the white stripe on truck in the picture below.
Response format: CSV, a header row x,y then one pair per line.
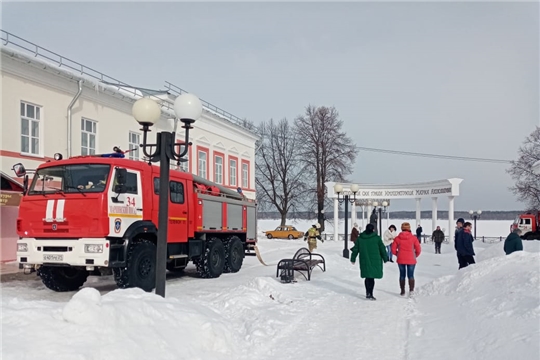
x,y
60,210
49,211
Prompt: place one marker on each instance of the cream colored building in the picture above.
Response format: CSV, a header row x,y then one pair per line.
x,y
38,87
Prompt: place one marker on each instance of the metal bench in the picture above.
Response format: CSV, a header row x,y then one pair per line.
x,y
303,262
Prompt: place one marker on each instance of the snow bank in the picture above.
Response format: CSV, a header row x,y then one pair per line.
x,y
123,324
490,310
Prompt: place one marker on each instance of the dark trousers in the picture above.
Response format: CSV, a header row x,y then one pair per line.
x,y
370,284
465,260
437,248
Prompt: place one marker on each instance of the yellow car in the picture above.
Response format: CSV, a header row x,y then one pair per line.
x,y
284,232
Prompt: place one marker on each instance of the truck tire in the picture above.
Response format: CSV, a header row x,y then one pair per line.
x,y
234,255
212,262
62,278
141,267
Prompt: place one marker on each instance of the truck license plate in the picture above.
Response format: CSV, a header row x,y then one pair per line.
x,y
52,257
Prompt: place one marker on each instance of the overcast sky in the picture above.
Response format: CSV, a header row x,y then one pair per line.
x,y
447,78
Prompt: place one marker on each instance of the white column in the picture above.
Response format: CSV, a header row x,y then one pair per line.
x,y
434,214
387,218
451,226
353,213
418,213
363,217
368,214
336,219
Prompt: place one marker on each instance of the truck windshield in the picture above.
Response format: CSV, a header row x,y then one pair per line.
x,y
87,178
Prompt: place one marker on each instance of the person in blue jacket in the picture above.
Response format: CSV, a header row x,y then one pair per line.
x,y
464,246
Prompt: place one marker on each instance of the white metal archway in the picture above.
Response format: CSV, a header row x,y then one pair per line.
x,y
433,189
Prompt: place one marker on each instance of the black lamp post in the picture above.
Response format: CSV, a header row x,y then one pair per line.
x,y
475,215
188,109
338,188
380,209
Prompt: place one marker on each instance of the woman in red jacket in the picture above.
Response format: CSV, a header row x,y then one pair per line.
x,y
407,248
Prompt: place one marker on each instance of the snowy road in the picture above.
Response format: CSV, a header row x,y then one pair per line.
x,y
251,315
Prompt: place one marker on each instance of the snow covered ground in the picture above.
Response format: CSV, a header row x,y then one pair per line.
x,y
490,310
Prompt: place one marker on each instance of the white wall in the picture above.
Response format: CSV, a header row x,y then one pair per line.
x,y
52,90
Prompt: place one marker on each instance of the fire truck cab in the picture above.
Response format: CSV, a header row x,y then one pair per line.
x,y
92,215
528,223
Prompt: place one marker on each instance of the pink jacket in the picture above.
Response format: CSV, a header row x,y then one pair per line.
x,y
407,248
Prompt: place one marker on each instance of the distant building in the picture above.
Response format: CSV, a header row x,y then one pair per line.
x,y
38,87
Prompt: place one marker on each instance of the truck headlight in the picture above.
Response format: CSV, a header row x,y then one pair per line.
x,y
93,248
22,247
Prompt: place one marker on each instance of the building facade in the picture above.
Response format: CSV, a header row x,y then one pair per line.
x,y
51,104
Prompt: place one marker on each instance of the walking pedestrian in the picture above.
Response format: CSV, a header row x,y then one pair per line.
x,y
513,242
312,235
438,238
388,239
407,248
354,233
372,253
457,233
419,231
464,246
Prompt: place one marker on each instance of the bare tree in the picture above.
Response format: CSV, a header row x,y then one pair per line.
x,y
326,151
527,183
279,179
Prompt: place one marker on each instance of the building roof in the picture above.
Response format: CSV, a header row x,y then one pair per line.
x,y
32,53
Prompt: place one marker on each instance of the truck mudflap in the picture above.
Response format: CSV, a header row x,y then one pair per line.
x,y
62,252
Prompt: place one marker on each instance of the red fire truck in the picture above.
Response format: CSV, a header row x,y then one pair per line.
x,y
529,224
92,215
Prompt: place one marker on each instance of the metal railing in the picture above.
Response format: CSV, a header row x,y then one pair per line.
x,y
210,107
426,239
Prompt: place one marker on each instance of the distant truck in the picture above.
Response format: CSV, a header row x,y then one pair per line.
x,y
91,215
529,225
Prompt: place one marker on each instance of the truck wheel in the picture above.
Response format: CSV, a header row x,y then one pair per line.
x,y
234,255
212,261
141,267
62,278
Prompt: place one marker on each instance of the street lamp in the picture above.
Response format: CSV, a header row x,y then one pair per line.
x,y
188,109
380,210
338,188
475,216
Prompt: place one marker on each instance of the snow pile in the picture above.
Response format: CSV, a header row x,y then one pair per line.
x,y
490,310
123,324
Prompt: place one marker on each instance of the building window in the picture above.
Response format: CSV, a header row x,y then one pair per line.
x,y
88,137
184,165
218,164
232,172
245,175
30,118
134,141
201,171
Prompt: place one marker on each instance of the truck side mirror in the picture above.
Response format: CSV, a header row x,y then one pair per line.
x,y
19,170
120,181
121,175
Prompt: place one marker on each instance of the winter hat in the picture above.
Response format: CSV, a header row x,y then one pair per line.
x,y
460,220
355,225
405,226
370,228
